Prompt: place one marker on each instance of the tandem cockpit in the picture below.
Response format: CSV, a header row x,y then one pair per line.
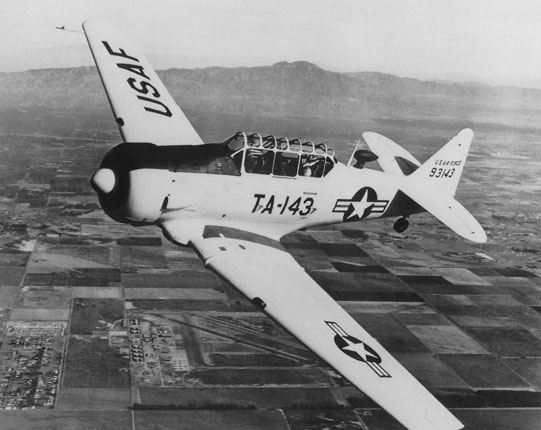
x,y
243,153
278,156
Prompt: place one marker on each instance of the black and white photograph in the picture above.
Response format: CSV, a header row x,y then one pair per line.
x,y
254,215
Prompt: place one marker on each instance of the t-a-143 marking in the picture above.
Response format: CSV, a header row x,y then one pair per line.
x,y
290,205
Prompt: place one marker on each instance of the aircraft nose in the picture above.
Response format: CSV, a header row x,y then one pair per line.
x,y
104,180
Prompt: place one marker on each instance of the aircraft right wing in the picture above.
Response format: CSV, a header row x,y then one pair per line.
x,y
143,108
271,278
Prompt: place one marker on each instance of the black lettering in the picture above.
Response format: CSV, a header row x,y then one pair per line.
x,y
258,199
134,68
285,205
164,112
294,207
144,87
308,203
119,53
269,206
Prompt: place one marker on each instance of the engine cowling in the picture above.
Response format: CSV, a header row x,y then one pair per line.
x,y
129,190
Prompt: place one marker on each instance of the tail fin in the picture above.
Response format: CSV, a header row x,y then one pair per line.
x,y
433,187
445,167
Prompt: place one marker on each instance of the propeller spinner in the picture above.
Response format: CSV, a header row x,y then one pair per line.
x,y
104,180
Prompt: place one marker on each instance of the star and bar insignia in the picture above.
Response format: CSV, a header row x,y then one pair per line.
x,y
357,349
363,203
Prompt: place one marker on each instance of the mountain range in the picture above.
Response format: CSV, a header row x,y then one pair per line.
x,y
290,90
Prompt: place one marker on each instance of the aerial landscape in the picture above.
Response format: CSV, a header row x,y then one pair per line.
x,y
108,326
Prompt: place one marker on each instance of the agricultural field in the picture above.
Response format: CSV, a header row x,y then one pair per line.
x,y
125,330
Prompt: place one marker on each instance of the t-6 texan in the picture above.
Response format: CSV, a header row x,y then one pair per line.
x,y
233,201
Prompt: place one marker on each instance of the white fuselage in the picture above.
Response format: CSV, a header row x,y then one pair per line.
x,y
267,203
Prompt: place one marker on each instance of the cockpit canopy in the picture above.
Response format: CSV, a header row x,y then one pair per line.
x,y
279,156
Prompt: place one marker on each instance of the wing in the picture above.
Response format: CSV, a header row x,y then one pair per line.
x,y
261,269
143,108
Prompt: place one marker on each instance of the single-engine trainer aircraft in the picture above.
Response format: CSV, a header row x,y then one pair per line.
x,y
233,201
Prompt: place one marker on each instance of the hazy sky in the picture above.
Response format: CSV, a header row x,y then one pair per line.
x,y
491,40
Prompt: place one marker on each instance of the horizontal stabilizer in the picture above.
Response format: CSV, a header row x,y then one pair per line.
x,y
392,158
446,209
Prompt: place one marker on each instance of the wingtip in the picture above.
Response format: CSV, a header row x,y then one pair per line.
x,y
477,233
86,22
478,237
370,135
96,24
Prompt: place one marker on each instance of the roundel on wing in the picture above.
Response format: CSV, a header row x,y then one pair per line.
x,y
358,350
369,355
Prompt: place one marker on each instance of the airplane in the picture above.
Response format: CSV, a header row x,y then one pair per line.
x,y
232,202
67,29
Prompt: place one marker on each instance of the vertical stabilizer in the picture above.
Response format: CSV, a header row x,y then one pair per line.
x,y
444,169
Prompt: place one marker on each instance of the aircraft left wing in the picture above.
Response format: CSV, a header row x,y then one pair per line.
x,y
143,108
270,277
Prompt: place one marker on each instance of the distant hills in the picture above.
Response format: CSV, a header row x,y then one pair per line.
x,y
290,90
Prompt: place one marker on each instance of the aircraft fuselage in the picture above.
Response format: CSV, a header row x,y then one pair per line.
x,y
345,194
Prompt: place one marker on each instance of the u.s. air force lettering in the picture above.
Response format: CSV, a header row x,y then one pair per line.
x,y
357,349
363,203
152,103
